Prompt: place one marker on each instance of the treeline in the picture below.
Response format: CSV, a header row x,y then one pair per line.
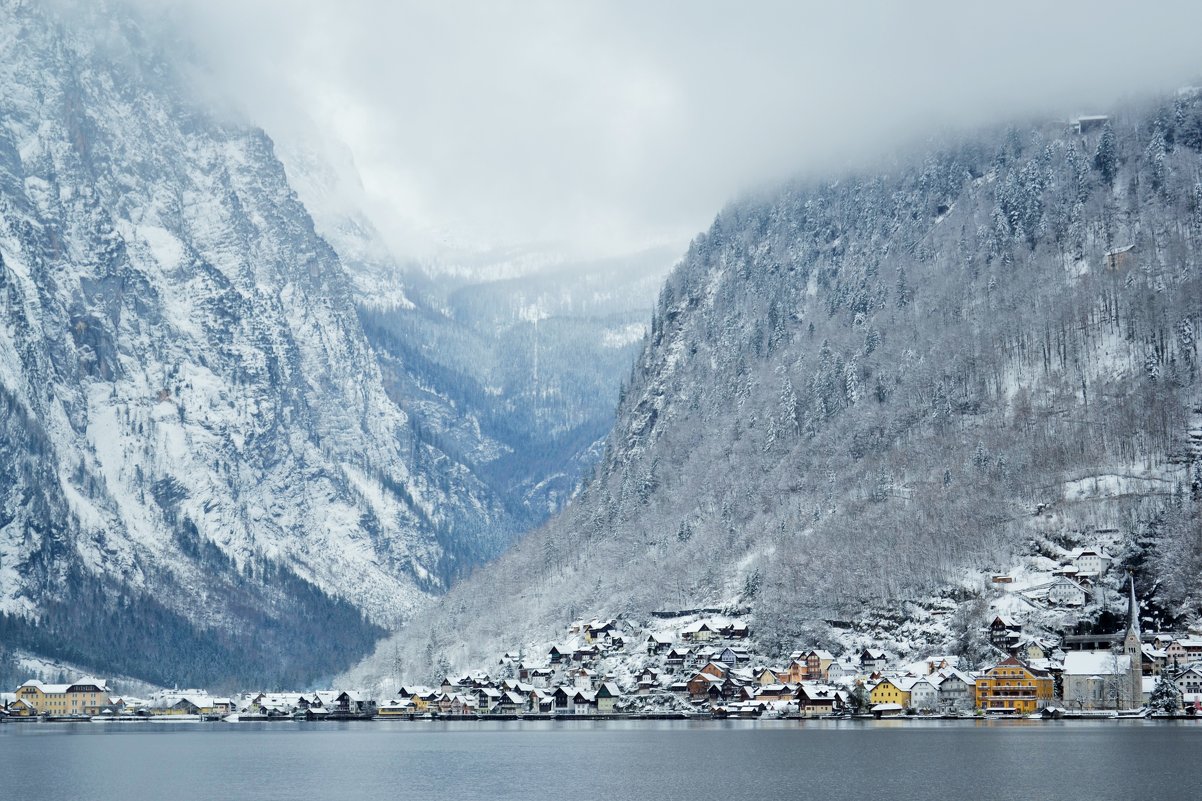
x,y
106,628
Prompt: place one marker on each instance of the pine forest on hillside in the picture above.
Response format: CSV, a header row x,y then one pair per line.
x,y
875,389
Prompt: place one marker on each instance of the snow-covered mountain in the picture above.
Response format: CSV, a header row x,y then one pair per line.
x,y
884,387
201,473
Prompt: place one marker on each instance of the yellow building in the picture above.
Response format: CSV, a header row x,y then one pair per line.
x,y
1012,686
85,697
887,692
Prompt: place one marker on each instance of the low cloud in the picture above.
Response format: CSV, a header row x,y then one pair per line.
x,y
611,125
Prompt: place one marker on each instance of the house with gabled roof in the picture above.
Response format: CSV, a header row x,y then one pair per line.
x,y
706,685
1004,632
657,643
583,702
766,675
607,697
842,668
872,660
774,692
924,695
737,630
1090,562
677,655
957,690
701,631
890,691
582,678
796,671
1189,684
734,655
815,699
817,661
1064,591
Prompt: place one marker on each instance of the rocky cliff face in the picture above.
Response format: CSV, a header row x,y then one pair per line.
x,y
194,426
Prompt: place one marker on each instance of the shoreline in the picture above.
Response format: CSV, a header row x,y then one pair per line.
x,y
180,720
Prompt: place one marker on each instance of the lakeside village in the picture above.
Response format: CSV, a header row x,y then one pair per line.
x,y
612,669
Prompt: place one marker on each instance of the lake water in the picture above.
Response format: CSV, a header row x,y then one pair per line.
x,y
623,761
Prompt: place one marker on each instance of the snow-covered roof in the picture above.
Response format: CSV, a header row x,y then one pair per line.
x,y
1190,645
1095,663
953,673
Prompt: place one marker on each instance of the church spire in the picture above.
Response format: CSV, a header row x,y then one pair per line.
x,y
1132,608
1133,648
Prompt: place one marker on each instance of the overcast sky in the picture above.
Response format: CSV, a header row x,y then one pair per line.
x,y
610,125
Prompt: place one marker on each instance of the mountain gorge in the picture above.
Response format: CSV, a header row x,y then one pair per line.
x,y
507,360
874,391
518,376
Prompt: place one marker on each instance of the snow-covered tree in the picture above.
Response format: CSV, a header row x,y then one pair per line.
x,y
1166,697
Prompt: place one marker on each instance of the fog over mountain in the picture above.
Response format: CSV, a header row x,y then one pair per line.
x,y
609,126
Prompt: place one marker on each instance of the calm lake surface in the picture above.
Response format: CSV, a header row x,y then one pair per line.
x,y
624,761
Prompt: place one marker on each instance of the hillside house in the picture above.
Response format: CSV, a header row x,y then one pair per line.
x,y
795,673
1090,124
1182,651
1090,562
1004,632
817,662
701,631
734,655
677,655
1066,592
582,678
735,631
1119,258
766,676
658,644
873,660
841,669
705,685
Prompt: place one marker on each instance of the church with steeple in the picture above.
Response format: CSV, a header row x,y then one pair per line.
x,y
1133,648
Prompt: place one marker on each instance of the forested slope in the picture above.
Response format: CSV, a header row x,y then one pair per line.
x,y
877,387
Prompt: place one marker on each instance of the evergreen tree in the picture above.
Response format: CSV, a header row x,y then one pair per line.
x,y
1105,159
903,293
1166,698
